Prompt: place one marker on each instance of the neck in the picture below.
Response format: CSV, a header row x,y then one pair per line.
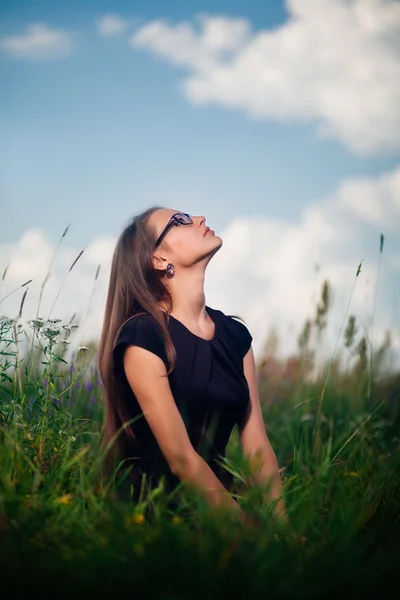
x,y
188,298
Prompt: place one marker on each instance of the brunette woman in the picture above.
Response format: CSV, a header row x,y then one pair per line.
x,y
182,371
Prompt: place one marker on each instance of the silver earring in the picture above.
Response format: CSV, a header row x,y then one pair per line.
x,y
170,269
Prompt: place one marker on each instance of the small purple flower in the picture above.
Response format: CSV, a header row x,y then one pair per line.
x,y
88,385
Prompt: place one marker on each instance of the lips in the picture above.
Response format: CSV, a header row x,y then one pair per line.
x,y
207,230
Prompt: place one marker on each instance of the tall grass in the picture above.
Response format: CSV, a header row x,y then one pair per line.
x,y
335,431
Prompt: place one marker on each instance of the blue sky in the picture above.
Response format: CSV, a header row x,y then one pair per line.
x,y
278,121
95,137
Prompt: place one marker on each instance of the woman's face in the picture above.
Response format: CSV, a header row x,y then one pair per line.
x,y
184,244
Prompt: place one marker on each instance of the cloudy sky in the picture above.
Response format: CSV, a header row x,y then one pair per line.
x,y
279,123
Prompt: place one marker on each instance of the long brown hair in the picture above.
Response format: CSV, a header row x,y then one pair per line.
x,y
135,288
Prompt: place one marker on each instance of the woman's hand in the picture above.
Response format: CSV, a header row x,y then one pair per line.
x,y
250,521
286,527
296,539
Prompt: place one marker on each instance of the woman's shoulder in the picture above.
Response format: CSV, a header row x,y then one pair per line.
x,y
144,318
142,330
236,328
235,321
141,323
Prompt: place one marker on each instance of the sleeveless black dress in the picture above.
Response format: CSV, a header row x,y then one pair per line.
x,y
208,386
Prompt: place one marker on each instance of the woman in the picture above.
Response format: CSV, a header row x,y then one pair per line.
x,y
175,365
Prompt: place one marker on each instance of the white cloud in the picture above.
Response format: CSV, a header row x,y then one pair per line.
x,y
112,24
334,63
29,258
378,204
265,271
39,42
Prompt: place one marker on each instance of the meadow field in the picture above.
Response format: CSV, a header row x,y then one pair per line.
x,y
334,427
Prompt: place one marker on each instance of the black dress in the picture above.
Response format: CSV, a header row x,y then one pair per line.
x,y
208,386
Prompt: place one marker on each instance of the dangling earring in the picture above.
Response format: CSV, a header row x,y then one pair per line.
x,y
170,270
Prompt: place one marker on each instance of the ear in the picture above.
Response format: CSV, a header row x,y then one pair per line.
x,y
159,262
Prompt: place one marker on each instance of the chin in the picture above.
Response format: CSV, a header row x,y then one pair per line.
x,y
220,240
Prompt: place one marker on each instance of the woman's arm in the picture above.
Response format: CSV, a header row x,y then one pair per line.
x,y
256,446
195,471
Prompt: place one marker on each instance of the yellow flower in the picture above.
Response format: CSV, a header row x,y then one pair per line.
x,y
176,519
65,499
135,518
139,518
352,474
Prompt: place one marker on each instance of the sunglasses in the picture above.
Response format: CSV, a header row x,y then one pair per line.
x,y
176,219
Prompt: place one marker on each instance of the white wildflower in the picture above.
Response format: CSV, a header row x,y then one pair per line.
x,y
70,327
36,323
51,333
82,349
6,320
66,342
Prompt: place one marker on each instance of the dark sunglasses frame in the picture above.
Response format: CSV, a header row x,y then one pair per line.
x,y
174,220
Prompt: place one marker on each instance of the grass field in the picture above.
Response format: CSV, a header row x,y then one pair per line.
x,y
335,432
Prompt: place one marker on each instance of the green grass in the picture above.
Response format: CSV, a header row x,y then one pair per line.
x,y
335,432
